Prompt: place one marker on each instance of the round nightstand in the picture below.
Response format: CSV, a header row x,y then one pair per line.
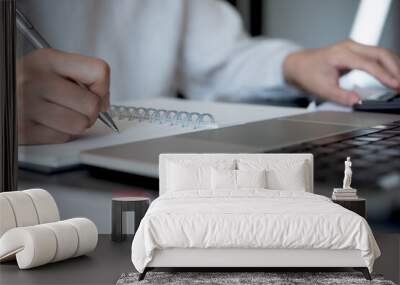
x,y
358,205
139,205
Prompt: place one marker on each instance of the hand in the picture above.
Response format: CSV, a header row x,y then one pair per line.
x,y
318,70
52,107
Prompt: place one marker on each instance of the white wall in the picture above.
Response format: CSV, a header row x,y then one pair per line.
x,y
316,23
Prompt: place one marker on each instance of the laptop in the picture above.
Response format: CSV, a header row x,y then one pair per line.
x,y
288,134
142,158
371,139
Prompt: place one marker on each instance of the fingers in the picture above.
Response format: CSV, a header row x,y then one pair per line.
x,y
68,94
357,61
345,97
53,105
92,72
389,60
40,134
318,70
59,118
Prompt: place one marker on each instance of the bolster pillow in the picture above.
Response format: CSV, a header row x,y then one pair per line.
x,y
26,208
41,244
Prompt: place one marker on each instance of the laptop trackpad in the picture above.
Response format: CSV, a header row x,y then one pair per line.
x,y
142,157
267,135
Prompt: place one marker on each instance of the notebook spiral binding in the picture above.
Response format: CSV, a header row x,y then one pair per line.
x,y
167,117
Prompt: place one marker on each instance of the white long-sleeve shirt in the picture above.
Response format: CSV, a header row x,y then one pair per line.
x,y
155,47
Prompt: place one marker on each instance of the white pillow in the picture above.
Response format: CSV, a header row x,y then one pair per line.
x,y
251,179
238,179
183,178
290,175
223,179
193,175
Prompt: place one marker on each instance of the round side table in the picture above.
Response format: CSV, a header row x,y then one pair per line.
x,y
139,205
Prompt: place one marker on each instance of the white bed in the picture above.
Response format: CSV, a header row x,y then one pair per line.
x,y
288,226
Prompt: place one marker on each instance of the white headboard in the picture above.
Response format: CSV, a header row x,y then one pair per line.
x,y
165,158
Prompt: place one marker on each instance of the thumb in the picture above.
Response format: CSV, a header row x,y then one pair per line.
x,y
345,97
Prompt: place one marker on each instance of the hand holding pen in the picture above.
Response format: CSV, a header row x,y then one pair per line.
x,y
60,94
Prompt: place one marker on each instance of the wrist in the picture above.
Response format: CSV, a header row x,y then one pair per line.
x,y
290,66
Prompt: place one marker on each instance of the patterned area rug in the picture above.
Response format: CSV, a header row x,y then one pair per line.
x,y
236,278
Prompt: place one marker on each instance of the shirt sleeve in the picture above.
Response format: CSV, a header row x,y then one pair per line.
x,y
220,60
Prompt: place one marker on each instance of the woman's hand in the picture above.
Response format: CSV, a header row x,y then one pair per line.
x,y
318,70
52,107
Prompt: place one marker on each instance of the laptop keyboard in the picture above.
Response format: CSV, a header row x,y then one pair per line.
x,y
375,153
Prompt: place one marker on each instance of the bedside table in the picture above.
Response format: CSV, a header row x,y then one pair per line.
x,y
139,205
358,206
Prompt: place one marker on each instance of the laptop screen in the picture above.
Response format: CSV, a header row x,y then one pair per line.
x,y
370,21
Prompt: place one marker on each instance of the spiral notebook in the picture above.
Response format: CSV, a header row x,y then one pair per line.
x,y
168,118
143,120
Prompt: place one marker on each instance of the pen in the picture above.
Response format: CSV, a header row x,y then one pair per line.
x,y
29,31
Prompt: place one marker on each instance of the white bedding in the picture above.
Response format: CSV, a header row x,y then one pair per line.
x,y
250,218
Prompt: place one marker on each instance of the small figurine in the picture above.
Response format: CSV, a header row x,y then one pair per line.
x,y
348,173
347,192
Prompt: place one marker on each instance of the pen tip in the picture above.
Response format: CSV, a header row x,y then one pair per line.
x,y
108,121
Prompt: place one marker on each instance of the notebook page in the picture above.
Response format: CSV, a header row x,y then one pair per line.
x,y
98,136
225,114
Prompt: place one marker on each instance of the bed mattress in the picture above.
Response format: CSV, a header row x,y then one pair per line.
x,y
250,219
